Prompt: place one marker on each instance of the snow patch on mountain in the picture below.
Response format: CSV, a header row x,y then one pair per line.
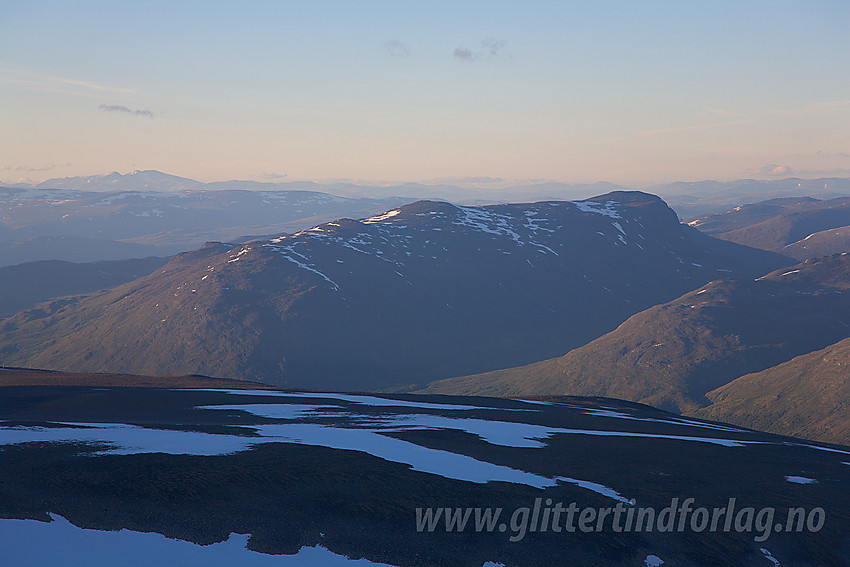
x,y
607,208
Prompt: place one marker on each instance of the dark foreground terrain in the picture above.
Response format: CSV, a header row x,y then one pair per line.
x,y
345,477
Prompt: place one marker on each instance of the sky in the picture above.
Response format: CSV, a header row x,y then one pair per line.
x,y
634,93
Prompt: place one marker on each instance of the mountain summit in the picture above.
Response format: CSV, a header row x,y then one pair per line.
x,y
424,291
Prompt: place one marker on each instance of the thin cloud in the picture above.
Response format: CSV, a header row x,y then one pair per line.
x,y
92,86
464,54
48,167
125,110
52,83
832,154
774,170
491,48
804,110
737,119
657,131
272,176
396,48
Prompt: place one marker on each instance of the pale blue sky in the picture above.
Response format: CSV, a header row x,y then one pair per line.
x,y
630,92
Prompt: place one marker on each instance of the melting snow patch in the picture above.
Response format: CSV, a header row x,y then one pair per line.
x,y
123,439
368,400
423,459
769,557
243,251
487,221
285,251
275,411
598,488
606,208
59,542
800,480
653,561
383,217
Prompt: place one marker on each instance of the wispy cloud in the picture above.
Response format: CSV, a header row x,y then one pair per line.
x,y
272,176
397,48
123,109
832,154
733,118
464,53
25,168
771,170
677,129
825,172
774,170
52,83
804,110
491,48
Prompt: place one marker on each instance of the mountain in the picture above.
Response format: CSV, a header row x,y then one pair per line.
x,y
671,355
692,199
805,397
798,227
74,225
689,199
425,291
822,243
147,180
462,190
25,285
76,249
93,475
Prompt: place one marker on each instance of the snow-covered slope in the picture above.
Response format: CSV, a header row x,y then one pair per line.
x,y
318,478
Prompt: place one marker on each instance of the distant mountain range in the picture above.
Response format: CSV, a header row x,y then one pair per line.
x,y
689,199
150,213
424,291
704,197
85,226
799,227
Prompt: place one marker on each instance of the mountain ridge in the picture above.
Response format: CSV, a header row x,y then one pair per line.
x,y
785,226
426,290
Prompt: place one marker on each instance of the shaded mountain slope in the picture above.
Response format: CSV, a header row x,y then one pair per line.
x,y
425,291
805,397
25,285
19,377
672,354
77,249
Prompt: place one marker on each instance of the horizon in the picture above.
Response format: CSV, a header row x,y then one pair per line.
x,y
482,184
374,92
